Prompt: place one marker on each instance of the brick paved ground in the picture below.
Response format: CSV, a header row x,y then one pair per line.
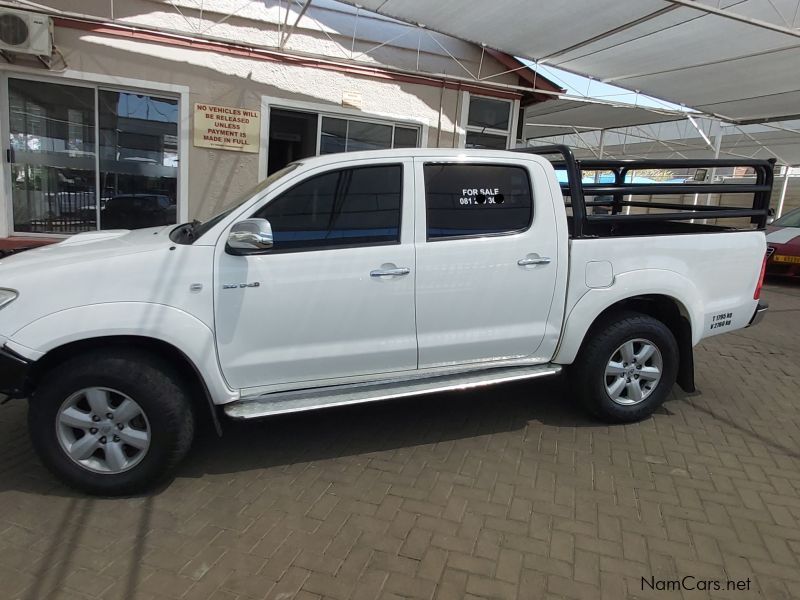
x,y
510,493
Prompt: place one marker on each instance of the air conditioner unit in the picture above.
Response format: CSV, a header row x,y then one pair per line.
x,y
23,32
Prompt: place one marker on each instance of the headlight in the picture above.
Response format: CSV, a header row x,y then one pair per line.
x,y
7,297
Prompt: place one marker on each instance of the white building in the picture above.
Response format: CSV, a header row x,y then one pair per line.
x,y
168,111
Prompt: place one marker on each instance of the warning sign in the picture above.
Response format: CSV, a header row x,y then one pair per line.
x,y
227,127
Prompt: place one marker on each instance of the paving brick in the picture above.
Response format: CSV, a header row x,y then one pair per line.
x,y
471,564
409,587
432,564
509,565
490,588
416,543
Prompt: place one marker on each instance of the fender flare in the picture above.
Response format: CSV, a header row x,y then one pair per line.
x,y
628,285
167,324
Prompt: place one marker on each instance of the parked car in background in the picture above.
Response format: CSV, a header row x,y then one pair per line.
x,y
783,245
137,211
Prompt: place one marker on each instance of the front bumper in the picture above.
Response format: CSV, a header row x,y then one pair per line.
x,y
758,315
14,373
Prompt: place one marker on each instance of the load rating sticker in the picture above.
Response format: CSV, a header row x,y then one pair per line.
x,y
721,320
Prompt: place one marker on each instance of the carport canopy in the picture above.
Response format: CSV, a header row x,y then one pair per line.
x,y
736,60
565,116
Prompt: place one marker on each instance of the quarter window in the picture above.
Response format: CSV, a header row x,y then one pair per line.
x,y
476,200
350,207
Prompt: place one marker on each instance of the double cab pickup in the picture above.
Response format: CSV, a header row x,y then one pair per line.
x,y
370,276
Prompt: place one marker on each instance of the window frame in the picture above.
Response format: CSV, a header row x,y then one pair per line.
x,y
348,120
322,173
337,112
513,106
471,236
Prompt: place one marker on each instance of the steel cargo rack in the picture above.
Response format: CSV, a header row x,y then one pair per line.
x,y
671,217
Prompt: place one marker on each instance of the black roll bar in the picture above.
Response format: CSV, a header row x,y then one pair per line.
x,y
577,191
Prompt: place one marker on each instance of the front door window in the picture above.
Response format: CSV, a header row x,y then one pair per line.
x,y
62,184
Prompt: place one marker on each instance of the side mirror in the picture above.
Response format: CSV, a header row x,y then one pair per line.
x,y
770,216
251,236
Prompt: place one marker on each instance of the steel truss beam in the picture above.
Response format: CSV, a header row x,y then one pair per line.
x,y
727,14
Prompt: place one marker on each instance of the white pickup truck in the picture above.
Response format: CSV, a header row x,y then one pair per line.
x,y
368,276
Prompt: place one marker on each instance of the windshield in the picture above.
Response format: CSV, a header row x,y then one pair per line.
x,y
187,233
790,219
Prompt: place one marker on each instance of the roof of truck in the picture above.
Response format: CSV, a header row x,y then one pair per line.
x,y
449,153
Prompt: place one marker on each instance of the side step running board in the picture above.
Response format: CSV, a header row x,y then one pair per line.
x,y
279,403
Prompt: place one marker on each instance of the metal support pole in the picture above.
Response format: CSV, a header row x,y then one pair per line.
x,y
783,191
600,154
284,37
355,28
630,197
716,130
602,141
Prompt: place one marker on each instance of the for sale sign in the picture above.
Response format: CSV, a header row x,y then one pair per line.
x,y
227,127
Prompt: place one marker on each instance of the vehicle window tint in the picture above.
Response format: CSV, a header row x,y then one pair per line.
x,y
369,208
469,200
350,207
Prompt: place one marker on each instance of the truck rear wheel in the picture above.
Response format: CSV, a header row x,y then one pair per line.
x,y
627,367
111,423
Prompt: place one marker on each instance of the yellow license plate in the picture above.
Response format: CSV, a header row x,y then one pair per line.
x,y
786,259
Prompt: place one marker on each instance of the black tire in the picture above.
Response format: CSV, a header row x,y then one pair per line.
x,y
158,390
589,370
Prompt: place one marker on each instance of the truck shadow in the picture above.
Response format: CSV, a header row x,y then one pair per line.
x,y
336,432
384,426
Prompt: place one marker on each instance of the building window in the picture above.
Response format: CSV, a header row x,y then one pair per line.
x,y
488,123
476,200
351,135
295,134
86,158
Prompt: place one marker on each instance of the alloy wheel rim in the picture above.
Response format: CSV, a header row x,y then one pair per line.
x,y
633,372
103,430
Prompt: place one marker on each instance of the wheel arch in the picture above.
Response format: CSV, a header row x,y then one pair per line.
x,y
674,315
198,390
679,308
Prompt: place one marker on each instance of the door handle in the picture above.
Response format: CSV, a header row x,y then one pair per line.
x,y
533,260
395,272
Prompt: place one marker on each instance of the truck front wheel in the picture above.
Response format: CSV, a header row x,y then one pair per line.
x,y
626,367
111,423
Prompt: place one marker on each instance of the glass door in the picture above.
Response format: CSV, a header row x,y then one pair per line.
x,y
61,184
52,155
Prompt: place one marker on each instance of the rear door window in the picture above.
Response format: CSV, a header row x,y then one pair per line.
x,y
468,200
